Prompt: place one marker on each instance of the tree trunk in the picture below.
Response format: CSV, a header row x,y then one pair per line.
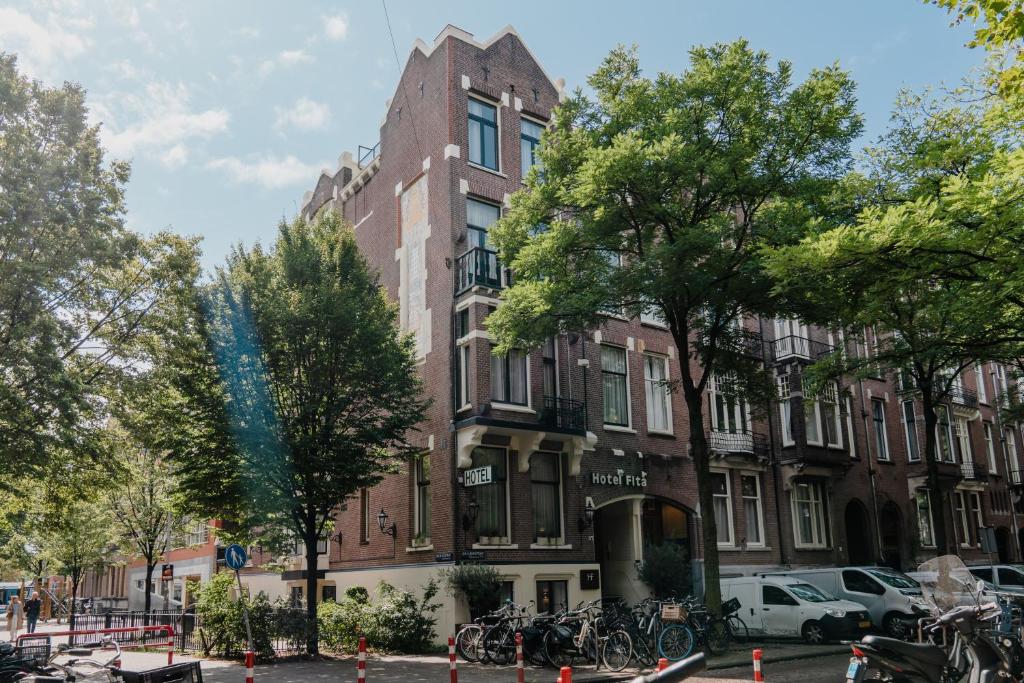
x,y
74,599
149,589
709,529
938,496
312,642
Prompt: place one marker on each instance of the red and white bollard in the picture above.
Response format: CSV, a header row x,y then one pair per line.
x,y
662,664
565,675
361,660
758,676
250,665
452,671
520,669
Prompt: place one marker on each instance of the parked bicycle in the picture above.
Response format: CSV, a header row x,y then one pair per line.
x,y
581,634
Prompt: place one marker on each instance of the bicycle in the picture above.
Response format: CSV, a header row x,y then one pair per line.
x,y
468,640
676,640
738,631
499,641
579,633
710,630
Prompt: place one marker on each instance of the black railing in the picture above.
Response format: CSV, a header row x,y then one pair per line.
x,y
969,470
751,344
480,267
964,397
563,413
1016,477
739,442
793,346
368,154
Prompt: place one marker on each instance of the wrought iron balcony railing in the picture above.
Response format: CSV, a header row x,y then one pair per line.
x,y
563,413
480,267
964,397
368,154
1016,477
969,471
739,442
793,346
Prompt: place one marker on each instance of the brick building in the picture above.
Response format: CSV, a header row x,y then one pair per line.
x,y
560,464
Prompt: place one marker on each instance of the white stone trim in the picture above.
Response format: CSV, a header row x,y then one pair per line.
x,y
452,151
463,186
398,188
517,104
465,82
426,164
504,99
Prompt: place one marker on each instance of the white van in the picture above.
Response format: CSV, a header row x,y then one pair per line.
x,y
784,606
893,598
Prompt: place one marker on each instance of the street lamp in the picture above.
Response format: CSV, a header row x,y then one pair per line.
x,y
587,519
468,519
382,522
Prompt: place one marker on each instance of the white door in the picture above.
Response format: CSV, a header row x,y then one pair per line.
x,y
778,611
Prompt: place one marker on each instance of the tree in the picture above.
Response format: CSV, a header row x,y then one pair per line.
x,y
657,195
919,261
319,388
1002,27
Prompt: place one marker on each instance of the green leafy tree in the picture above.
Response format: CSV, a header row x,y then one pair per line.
x,y
319,387
1001,29
657,195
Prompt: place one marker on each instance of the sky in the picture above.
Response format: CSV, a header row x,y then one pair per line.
x,y
228,110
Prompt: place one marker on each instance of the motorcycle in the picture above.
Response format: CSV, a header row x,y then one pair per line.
x,y
963,644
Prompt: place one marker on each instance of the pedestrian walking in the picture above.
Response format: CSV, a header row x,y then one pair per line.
x,y
15,612
32,608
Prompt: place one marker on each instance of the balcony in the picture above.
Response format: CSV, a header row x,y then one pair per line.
x,y
563,414
1016,476
746,443
793,346
963,397
973,471
480,267
750,344
368,154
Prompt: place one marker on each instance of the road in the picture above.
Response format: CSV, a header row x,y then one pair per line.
x,y
830,669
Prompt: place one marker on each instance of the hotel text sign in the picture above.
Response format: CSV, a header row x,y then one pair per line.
x,y
478,476
619,478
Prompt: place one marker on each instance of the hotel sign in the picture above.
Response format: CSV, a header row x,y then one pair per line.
x,y
619,478
478,476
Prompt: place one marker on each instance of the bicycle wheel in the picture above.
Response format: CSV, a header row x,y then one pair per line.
x,y
492,645
676,642
716,636
467,642
617,651
554,651
738,630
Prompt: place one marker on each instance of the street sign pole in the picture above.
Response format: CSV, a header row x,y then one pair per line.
x,y
235,558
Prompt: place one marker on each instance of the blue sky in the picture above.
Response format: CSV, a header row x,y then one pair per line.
x,y
229,109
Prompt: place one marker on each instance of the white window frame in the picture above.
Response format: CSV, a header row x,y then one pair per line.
x,y
913,454
652,386
756,476
791,327
741,410
831,395
728,497
974,500
417,522
536,122
508,405
884,441
552,540
817,507
949,434
812,406
979,381
497,135
960,508
849,427
963,439
990,447
1011,449
364,513
628,427
506,540
651,316
463,355
931,517
782,384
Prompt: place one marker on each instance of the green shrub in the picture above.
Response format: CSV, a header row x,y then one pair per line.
x,y
478,584
666,570
357,594
395,622
223,622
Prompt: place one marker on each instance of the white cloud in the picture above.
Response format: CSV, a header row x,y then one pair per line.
x,y
284,58
269,172
41,45
304,114
125,69
336,27
175,157
160,120
247,32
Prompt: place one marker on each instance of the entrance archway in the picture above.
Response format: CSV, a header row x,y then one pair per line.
x,y
858,534
892,535
623,528
1003,545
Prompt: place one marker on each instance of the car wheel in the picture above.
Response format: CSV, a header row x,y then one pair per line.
x,y
895,626
813,633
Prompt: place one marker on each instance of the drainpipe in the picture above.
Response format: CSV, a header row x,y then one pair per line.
x,y
871,472
1006,459
776,483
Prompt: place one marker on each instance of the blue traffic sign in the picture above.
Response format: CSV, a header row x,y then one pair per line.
x,y
235,557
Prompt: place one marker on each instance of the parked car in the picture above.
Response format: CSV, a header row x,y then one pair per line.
x,y
892,597
786,606
1007,578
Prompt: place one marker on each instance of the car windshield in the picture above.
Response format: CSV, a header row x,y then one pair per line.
x,y
893,579
806,591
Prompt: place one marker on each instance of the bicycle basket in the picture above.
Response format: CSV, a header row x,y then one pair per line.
x,y
673,613
187,672
36,648
730,606
564,633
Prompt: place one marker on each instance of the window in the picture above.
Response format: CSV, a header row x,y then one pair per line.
x,y
1009,576
480,216
1011,454
962,525
462,385
728,412
925,527
546,493
508,378
659,406
549,357
974,501
790,338
785,410
329,594
910,431
1000,381
983,573
614,260
810,525
364,515
858,582
979,381
722,494
552,596
990,449
773,595
849,427
828,407
811,423
652,315
492,499
614,386
878,418
750,489
963,440
944,435
483,134
508,591
423,498
529,140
